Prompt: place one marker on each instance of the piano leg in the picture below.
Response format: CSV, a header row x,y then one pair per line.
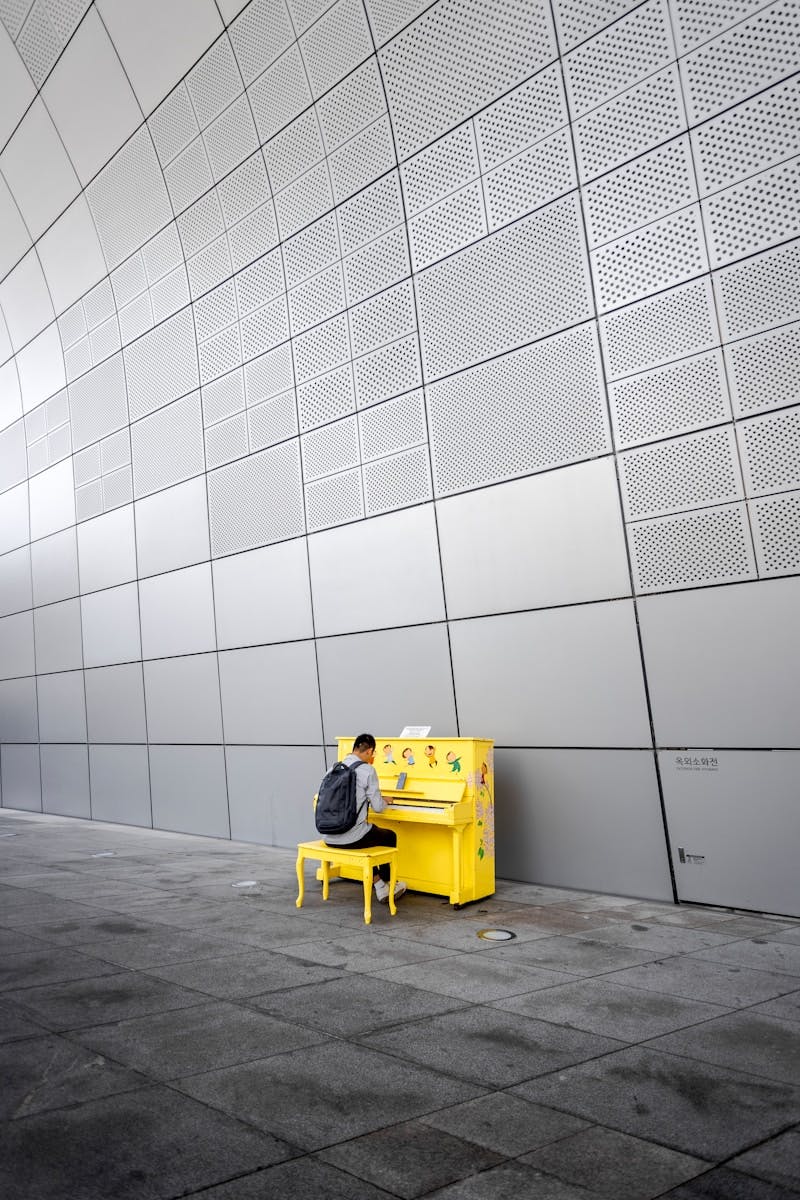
x,y
455,895
301,882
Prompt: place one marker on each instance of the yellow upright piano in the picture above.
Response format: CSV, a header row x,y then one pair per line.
x,y
443,815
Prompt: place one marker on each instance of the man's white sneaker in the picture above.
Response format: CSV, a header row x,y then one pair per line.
x,y
382,890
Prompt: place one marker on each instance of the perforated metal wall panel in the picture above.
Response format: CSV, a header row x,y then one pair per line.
x,y
776,532
684,395
128,199
764,371
759,293
167,447
770,448
256,501
534,409
693,549
162,365
689,472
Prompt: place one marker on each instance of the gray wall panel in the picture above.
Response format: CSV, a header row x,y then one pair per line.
x,y
57,630
724,665
18,718
20,777
188,789
62,708
263,595
107,550
267,694
271,790
177,613
376,575
581,818
54,564
16,646
120,777
115,704
111,626
736,852
172,528
65,780
555,538
557,677
354,677
16,592
182,696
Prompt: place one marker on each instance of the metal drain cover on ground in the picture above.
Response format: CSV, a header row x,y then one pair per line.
x,y
496,935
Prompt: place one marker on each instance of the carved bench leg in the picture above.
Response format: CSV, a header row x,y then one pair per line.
x,y
300,880
367,893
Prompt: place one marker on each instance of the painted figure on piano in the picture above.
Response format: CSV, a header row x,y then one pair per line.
x,y
430,754
388,755
408,755
455,761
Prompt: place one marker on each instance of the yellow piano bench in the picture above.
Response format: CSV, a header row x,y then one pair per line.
x,y
364,860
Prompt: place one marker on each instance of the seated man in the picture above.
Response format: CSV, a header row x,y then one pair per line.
x,y
363,834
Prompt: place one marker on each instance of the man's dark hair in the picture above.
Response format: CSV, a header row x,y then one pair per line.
x,y
364,741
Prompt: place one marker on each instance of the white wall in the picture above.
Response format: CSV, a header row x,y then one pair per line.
x,y
365,363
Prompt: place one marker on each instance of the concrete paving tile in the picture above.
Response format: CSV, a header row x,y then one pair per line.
x,y
726,1184
505,1123
47,965
86,931
604,1007
49,1072
758,954
474,978
363,1091
575,955
18,941
362,952
615,1165
787,1007
299,1179
16,1024
698,979
462,935
487,1046
790,935
777,1160
530,893
87,1002
410,1159
44,908
699,1109
744,1041
241,975
141,1144
642,935
510,1181
351,1005
160,947
205,1038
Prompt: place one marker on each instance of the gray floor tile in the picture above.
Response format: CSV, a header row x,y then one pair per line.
x,y
49,1072
663,939
47,965
511,1181
89,931
410,1160
601,1006
240,975
787,1007
160,947
504,1123
726,1184
744,1041
40,909
299,1179
758,954
353,1004
362,952
15,1023
282,1094
615,1165
717,983
697,1108
474,978
777,1160
19,941
575,955
790,935
141,1144
168,1045
93,1001
490,1047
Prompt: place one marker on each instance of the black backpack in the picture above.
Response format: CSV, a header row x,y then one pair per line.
x,y
336,810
